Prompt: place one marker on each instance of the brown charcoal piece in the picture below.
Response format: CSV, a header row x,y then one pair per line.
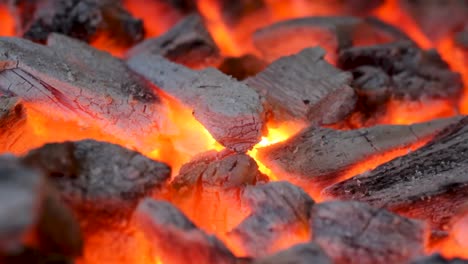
x,y
207,188
13,119
414,73
73,81
175,238
188,43
100,178
436,18
318,157
333,33
438,259
305,87
298,254
279,218
31,207
76,18
230,110
353,232
428,183
242,67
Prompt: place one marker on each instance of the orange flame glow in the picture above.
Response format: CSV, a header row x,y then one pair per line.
x,y
7,25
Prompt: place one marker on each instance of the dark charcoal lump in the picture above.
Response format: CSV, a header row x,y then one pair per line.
x,y
242,67
438,259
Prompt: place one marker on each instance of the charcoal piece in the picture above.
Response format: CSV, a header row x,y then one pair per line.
x,y
175,238
280,213
78,19
318,157
207,188
188,43
299,254
305,87
429,183
242,67
32,208
438,259
13,119
76,82
353,232
437,19
372,84
230,110
32,255
415,73
332,33
101,181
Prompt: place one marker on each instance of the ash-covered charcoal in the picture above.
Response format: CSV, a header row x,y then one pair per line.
x,y
242,67
304,87
438,259
353,232
31,208
371,84
318,157
429,183
279,218
230,110
78,19
437,19
332,33
414,74
175,239
188,43
299,254
207,188
75,82
101,181
13,119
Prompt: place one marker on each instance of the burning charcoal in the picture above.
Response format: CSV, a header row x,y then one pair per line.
x,y
242,67
299,254
188,43
231,111
234,11
76,82
353,232
81,19
429,183
32,208
372,84
12,121
207,188
331,33
279,218
438,259
97,177
305,87
175,239
437,18
318,157
415,74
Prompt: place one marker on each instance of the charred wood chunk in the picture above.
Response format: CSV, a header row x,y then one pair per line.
x,y
279,218
437,18
242,67
13,119
318,157
32,208
78,19
76,82
429,183
188,43
175,239
230,110
207,188
101,181
438,259
371,84
353,232
414,74
305,87
333,33
299,254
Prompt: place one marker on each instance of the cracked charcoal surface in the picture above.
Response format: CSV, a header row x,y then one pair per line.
x,y
299,254
353,232
429,183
